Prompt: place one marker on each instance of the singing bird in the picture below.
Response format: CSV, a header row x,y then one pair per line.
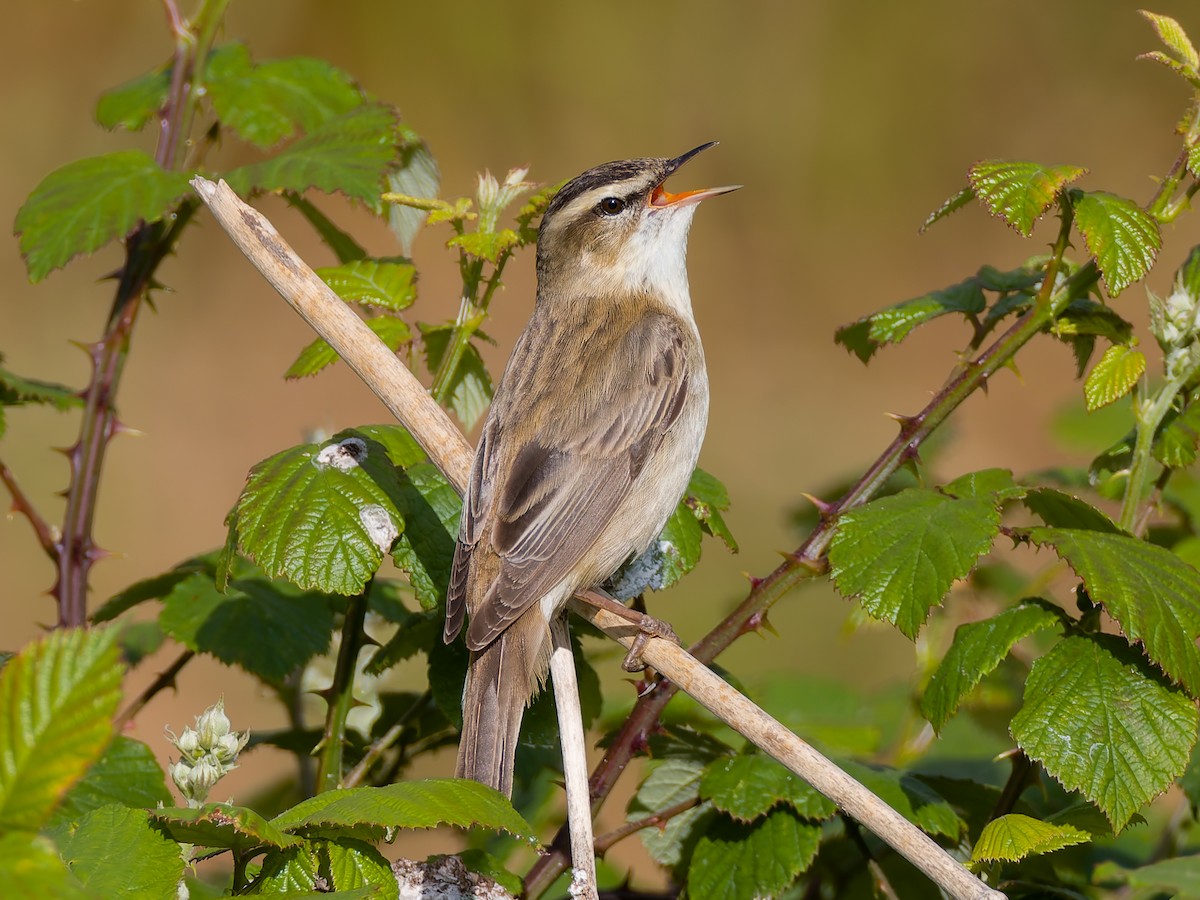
x,y
590,440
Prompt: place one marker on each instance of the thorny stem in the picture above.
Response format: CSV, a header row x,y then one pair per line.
x,y
22,504
165,680
145,249
386,740
605,842
340,694
809,559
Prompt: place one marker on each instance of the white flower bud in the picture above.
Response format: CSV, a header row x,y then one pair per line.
x,y
212,725
188,743
179,773
203,776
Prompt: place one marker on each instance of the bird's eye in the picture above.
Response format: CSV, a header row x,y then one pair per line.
x,y
610,206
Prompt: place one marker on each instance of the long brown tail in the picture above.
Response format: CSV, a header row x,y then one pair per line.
x,y
500,681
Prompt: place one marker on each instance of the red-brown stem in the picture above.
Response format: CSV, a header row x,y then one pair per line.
x,y
22,504
165,680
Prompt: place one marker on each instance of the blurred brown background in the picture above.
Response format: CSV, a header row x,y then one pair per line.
x,y
847,123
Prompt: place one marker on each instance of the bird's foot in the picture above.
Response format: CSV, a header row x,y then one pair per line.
x,y
648,627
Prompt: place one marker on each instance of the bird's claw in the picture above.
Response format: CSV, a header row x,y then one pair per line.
x,y
648,627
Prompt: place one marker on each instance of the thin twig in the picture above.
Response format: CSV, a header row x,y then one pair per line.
x,y
165,680
605,842
23,505
339,696
449,451
385,741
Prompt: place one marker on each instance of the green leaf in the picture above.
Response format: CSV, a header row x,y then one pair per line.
x,y
416,176
1122,236
342,244
471,386
57,699
995,485
224,826
414,635
153,588
322,516
977,649
128,773
409,804
1180,877
292,872
1113,376
387,284
952,204
231,625
707,498
132,104
1103,723
1152,594
894,323
265,103
85,204
116,852
355,864
748,786
1020,193
1013,837
733,860
1177,439
489,245
899,555
675,780
17,391
31,867
1187,276
430,508
913,799
1061,510
1172,34
319,355
349,154
1084,316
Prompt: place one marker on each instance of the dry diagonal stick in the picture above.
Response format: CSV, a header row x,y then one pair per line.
x,y
409,402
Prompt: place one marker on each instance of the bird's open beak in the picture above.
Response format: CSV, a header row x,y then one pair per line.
x,y
662,197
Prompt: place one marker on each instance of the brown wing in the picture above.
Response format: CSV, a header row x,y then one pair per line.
x,y
541,506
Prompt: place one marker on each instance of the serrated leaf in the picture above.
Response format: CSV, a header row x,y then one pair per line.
x,y
1103,723
1152,594
128,773
57,699
977,648
707,498
387,284
671,782
1113,376
1175,444
470,386
1122,236
995,485
1020,193
750,785
732,860
267,102
416,175
293,872
402,448
1062,510
85,204
16,391
232,625
319,355
912,798
116,852
1014,837
132,104
1084,316
355,864
487,245
348,154
952,204
409,804
430,508
224,826
1180,877
1172,34
31,867
899,556
894,323
153,588
322,516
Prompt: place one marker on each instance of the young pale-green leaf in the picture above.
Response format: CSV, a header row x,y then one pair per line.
x,y
1020,192
489,245
1176,39
951,204
57,699
416,175
894,323
222,825
85,204
1113,376
900,555
127,773
349,154
1152,594
1102,722
132,104
734,860
322,516
470,386
318,355
751,785
230,624
387,284
116,852
408,804
267,102
977,649
1123,237
1014,837
673,781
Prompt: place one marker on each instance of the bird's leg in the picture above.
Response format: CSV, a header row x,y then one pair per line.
x,y
648,627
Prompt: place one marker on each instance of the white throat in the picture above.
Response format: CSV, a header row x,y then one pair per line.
x,y
655,259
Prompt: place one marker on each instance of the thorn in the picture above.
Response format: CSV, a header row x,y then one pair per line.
x,y
902,421
368,641
119,427
96,554
823,508
755,581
